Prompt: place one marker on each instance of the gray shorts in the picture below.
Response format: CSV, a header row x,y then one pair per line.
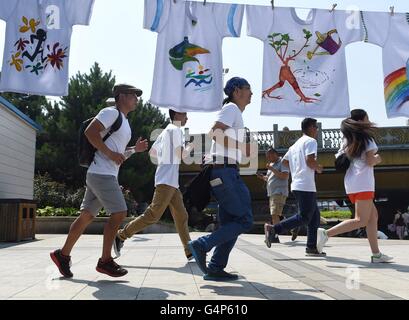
x,y
103,191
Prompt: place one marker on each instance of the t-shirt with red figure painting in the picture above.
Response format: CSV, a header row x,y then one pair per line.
x,y
37,46
304,71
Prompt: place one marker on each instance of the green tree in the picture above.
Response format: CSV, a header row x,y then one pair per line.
x,y
57,152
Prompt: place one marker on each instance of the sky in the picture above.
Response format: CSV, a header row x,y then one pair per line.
x,y
116,40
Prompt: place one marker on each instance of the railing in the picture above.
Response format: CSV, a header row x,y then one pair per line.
x,y
328,139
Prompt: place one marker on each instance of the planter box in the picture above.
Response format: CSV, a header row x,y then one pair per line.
x,y
61,225
17,219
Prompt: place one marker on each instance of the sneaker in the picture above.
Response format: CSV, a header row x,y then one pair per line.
x,y
199,254
294,233
270,234
322,239
275,239
382,258
62,262
118,244
111,268
220,276
314,253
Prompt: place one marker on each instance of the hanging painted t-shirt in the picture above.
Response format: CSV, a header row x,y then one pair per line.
x,y
391,33
304,62
37,48
188,66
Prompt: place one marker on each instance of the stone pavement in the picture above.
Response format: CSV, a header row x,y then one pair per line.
x,y
158,270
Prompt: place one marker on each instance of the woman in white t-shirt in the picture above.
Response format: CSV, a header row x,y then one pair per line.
x,y
360,147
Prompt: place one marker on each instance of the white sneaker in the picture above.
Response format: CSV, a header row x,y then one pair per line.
x,y
322,239
383,258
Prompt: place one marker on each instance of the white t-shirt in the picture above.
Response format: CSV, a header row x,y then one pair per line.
x,y
303,177
304,71
232,117
167,171
37,47
188,64
117,142
391,33
359,176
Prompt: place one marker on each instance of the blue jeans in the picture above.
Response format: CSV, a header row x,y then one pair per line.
x,y
235,216
309,215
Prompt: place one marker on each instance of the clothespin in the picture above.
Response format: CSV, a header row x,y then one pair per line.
x,y
204,2
333,7
272,4
392,8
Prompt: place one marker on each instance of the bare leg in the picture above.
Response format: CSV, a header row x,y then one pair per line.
x,y
363,211
110,230
372,230
76,230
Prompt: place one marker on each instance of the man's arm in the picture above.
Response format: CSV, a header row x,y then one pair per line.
x,y
217,133
93,134
279,174
313,164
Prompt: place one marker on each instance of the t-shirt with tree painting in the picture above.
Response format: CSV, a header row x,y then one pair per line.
x,y
188,64
37,46
304,62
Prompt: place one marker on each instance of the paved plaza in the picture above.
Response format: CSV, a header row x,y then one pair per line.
x,y
158,270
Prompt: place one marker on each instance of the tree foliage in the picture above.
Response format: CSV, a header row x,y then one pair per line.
x,y
57,144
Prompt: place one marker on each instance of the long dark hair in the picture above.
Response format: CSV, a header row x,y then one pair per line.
x,y
228,99
357,133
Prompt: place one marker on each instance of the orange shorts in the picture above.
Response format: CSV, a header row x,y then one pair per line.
x,y
354,197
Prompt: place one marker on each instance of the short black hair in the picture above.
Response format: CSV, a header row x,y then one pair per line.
x,y
172,114
272,150
308,123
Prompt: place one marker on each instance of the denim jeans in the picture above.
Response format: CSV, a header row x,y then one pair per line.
x,y
235,216
309,215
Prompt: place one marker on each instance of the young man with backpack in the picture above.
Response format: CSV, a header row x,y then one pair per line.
x,y
102,188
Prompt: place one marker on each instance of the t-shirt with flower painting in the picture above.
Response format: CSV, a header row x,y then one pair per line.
x,y
37,44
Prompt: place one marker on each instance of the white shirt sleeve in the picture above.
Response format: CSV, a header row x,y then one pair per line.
x,y
349,25
227,115
79,11
6,8
228,18
376,26
311,147
287,156
371,146
283,168
259,21
156,14
107,117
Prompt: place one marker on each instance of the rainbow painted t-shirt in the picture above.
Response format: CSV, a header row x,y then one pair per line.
x,y
188,65
391,32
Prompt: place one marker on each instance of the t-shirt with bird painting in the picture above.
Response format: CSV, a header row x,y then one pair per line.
x,y
188,73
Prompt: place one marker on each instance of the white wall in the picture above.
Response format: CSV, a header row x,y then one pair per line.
x,y
17,156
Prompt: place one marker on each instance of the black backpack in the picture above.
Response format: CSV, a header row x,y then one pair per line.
x,y
86,151
342,163
198,191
